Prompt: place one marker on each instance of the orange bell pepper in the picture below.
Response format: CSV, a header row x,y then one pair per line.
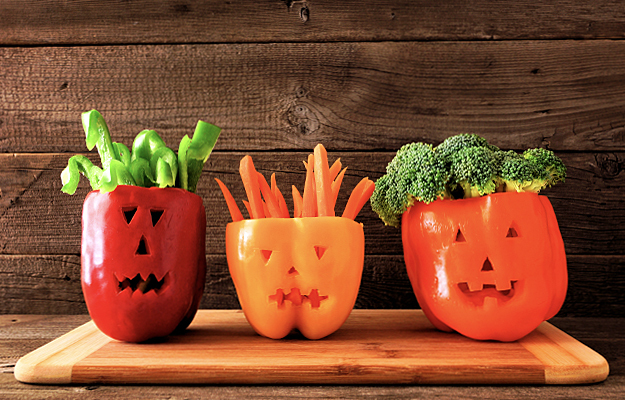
x,y
301,273
491,267
296,273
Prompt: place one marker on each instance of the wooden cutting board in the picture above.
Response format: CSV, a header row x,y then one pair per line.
x,y
372,347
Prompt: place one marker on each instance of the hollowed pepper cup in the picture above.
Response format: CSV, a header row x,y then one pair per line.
x,y
296,273
143,260
490,268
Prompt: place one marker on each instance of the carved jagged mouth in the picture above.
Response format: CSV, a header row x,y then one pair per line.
x,y
297,298
151,283
478,292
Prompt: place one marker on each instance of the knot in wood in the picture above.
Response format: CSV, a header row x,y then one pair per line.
x,y
300,92
304,13
303,119
608,164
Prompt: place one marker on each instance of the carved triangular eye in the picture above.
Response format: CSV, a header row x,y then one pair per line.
x,y
156,216
266,254
129,213
460,237
320,251
512,233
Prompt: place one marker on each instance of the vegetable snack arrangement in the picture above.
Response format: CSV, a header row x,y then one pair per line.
x,y
143,230
482,249
303,272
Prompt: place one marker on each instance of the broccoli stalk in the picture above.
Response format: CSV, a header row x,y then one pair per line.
x,y
463,166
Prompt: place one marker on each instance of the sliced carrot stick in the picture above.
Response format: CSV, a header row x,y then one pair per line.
x,y
352,201
284,211
323,182
249,176
235,213
335,169
270,199
274,185
297,202
309,208
361,193
365,196
249,209
336,186
266,210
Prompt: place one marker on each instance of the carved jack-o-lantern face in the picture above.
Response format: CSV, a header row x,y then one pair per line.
x,y
296,273
490,268
143,260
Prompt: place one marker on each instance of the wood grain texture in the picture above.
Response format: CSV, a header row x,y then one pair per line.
x,y
40,232
51,285
565,95
281,76
194,21
25,334
590,205
373,346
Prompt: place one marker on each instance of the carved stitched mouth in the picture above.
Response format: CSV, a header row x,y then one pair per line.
x,y
296,298
143,285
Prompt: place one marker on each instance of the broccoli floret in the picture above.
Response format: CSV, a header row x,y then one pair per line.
x,y
517,174
454,144
388,209
416,173
462,166
475,170
545,160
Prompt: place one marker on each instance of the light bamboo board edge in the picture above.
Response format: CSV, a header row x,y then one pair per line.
x,y
53,362
563,359
567,362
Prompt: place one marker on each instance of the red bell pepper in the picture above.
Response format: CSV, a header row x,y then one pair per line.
x,y
143,256
143,260
490,267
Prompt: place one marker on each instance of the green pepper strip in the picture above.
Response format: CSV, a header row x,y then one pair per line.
x,y
115,174
145,144
164,165
150,163
98,135
193,153
114,156
142,173
80,165
123,152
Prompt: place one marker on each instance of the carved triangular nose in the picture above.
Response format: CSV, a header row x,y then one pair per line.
x,y
293,271
487,266
143,247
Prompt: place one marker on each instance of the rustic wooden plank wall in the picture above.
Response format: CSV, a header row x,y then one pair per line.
x,y
363,78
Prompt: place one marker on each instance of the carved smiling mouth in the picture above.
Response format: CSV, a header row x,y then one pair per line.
x,y
296,298
151,283
477,292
